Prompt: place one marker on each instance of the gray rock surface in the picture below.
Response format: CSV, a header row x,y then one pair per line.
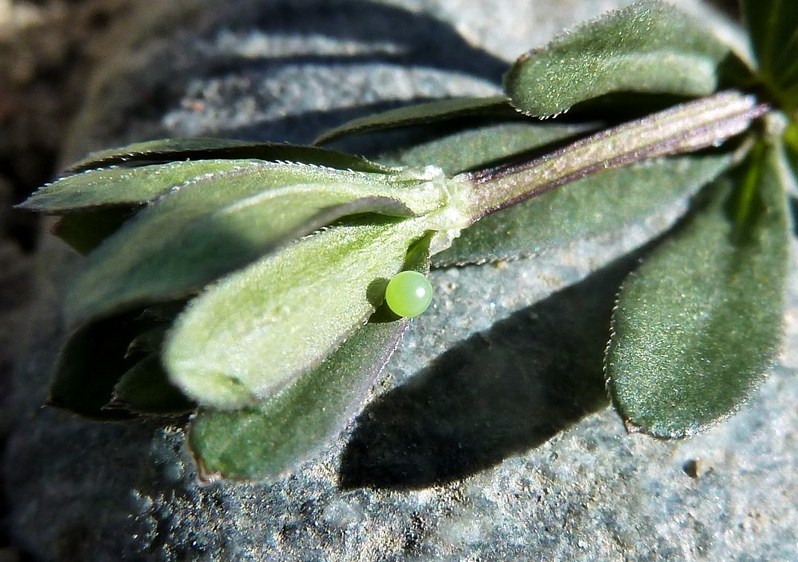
x,y
488,437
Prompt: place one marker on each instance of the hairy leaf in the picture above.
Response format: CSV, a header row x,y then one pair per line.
x,y
419,114
258,329
647,47
600,203
485,146
127,187
201,148
266,440
275,435
219,223
697,326
773,27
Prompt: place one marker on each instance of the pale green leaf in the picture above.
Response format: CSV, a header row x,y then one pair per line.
x,y
648,47
218,223
697,326
258,329
127,186
420,114
601,203
274,436
203,148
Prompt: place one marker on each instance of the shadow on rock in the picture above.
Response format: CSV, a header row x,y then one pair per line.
x,y
389,37
381,33
494,395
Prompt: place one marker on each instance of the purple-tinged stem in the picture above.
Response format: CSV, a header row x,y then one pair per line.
x,y
684,128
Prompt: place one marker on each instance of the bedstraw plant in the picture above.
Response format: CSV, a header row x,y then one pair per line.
x,y
246,283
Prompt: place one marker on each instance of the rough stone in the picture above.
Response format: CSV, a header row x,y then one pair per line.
x,y
488,437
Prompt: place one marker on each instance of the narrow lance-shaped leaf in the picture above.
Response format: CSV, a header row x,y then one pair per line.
x,y
218,223
126,187
94,204
276,435
201,148
646,47
258,329
145,389
697,326
95,201
97,355
91,362
420,114
485,146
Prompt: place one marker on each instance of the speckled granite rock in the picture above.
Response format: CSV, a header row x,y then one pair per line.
x,y
488,437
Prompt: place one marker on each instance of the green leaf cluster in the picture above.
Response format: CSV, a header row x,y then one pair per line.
x,y
222,279
245,281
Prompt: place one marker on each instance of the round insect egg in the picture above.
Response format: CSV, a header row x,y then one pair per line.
x,y
408,293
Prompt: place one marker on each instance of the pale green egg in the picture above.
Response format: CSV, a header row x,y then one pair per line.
x,y
408,293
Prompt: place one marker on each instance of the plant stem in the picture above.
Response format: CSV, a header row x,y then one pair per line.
x,y
684,128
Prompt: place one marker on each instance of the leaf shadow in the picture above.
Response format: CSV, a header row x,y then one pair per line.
x,y
494,395
336,35
793,206
387,35
374,31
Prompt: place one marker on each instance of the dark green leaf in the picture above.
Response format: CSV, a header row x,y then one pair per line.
x,y
485,146
791,147
218,223
420,114
147,342
145,389
273,437
168,150
260,328
698,325
90,364
601,203
773,27
647,47
86,230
